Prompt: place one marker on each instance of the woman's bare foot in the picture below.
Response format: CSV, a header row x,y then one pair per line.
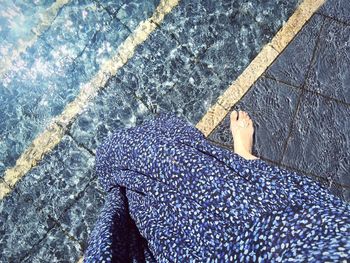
x,y
242,130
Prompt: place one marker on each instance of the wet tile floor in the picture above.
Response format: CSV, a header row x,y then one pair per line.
x,y
49,49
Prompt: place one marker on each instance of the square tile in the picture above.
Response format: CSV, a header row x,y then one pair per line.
x,y
241,34
21,227
131,13
320,142
271,106
56,181
80,219
102,47
330,71
338,9
196,28
56,247
192,97
75,26
114,107
111,6
157,65
292,64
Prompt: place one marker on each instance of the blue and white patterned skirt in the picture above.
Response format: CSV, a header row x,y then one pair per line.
x,y
173,196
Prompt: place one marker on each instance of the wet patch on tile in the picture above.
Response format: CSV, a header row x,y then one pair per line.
x,y
56,247
56,182
75,27
80,219
292,65
247,30
130,13
156,67
113,108
195,30
22,118
21,227
227,26
330,72
15,13
319,142
51,71
338,9
271,106
192,97
102,46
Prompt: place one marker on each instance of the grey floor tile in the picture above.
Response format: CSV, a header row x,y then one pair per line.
x,y
241,33
292,65
132,12
203,23
75,26
56,181
157,66
113,108
271,106
80,219
21,227
320,142
196,28
12,30
102,46
330,71
192,97
56,247
338,9
111,6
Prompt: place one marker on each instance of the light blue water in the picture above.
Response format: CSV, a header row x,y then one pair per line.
x,y
40,81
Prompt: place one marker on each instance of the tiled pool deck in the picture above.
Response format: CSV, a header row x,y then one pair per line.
x,y
96,66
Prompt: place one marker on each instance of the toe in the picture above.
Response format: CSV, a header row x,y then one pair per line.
x,y
234,115
245,116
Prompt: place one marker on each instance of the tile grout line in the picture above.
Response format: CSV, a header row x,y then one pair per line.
x,y
334,19
45,22
257,67
303,90
55,130
307,90
57,222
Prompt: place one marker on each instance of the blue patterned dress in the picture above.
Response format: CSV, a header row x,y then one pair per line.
x,y
172,196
